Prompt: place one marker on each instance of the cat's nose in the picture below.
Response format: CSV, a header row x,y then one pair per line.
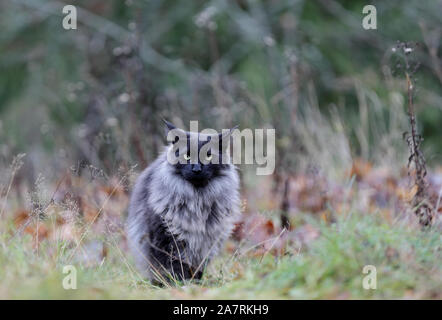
x,y
196,168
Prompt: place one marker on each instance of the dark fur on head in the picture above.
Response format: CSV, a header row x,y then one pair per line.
x,y
199,173
181,214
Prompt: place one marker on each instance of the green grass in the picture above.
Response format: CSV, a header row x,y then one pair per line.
x,y
407,262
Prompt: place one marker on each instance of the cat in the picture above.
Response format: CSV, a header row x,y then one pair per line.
x,y
181,214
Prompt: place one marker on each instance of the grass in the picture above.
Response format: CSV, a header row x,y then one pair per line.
x,y
407,261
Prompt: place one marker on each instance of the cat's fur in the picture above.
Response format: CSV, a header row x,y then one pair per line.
x,y
175,226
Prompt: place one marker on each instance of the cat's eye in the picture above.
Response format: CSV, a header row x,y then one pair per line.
x,y
186,156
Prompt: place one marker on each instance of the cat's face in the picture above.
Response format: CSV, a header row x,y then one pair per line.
x,y
205,165
199,174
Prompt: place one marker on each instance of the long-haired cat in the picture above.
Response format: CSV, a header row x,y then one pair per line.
x,y
181,214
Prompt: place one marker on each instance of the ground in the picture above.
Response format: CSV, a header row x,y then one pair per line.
x,y
407,262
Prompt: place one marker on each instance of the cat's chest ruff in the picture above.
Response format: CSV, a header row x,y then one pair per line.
x,y
187,217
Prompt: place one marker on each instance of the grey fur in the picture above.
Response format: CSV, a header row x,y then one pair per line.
x,y
165,206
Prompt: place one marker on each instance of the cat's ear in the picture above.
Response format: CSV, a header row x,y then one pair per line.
x,y
176,134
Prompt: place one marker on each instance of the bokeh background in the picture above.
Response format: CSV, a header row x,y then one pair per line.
x,y
306,68
85,105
